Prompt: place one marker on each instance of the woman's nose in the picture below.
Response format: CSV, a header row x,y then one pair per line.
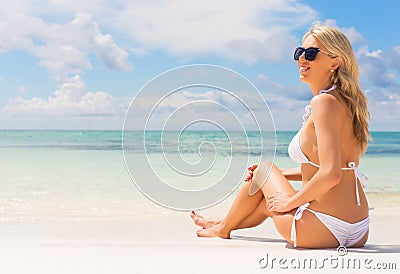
x,y
302,56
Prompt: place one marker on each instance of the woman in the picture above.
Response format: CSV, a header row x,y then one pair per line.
x,y
331,208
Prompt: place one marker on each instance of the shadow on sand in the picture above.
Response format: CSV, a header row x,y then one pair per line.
x,y
367,249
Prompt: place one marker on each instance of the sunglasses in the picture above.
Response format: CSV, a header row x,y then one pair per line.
x,y
311,53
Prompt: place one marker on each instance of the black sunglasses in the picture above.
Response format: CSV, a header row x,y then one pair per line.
x,y
311,53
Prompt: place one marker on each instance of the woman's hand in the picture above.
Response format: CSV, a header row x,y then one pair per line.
x,y
279,202
250,173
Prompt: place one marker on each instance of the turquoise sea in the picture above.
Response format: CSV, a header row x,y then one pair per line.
x,y
82,174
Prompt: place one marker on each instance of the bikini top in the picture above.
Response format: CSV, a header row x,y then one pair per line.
x,y
297,155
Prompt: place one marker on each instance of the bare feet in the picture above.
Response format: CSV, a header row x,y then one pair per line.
x,y
201,221
214,231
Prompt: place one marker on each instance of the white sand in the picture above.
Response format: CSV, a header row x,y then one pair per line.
x,y
169,245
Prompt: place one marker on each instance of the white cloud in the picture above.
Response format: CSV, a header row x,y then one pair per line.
x,y
385,114
286,102
247,30
376,54
270,87
250,30
69,102
377,73
69,99
393,57
202,109
64,49
352,34
374,70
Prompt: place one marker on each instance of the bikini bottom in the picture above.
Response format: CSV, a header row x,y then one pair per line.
x,y
347,234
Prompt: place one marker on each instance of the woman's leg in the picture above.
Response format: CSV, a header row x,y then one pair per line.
x,y
240,214
257,217
203,222
242,207
243,215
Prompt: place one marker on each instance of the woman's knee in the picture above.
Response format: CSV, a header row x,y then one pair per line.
x,y
271,180
264,167
268,164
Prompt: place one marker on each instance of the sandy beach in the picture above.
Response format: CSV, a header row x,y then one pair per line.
x,y
168,244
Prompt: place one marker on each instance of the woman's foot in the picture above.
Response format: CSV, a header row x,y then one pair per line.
x,y
201,221
214,231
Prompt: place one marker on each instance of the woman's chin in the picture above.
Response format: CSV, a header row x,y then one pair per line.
x,y
303,78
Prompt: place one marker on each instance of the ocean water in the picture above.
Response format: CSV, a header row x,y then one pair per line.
x,y
82,174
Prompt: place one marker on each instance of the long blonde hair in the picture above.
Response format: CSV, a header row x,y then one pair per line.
x,y
346,78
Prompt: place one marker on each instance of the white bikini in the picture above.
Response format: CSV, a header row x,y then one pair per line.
x,y
347,234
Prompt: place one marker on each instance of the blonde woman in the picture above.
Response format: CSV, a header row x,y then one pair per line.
x,y
331,208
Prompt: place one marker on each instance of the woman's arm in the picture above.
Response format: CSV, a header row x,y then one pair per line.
x,y
326,122
292,174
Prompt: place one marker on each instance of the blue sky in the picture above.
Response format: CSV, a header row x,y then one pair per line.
x,y
78,64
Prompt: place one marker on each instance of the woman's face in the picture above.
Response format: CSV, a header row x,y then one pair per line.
x,y
317,70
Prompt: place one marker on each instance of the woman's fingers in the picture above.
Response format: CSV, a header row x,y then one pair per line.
x,y
273,195
252,168
250,173
278,202
248,176
274,201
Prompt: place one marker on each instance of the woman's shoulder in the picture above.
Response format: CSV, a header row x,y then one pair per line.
x,y
329,111
325,102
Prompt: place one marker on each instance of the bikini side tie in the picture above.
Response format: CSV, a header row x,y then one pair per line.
x,y
297,216
358,176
